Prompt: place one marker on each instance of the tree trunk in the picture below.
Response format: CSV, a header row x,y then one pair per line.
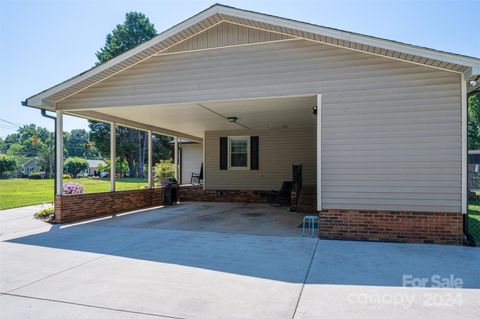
x,y
131,167
145,151
140,155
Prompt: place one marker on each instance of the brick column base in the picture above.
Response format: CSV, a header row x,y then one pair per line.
x,y
410,227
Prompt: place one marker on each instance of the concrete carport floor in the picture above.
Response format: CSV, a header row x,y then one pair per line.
x,y
129,267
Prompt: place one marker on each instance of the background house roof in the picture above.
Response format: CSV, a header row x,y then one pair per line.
x,y
469,66
94,163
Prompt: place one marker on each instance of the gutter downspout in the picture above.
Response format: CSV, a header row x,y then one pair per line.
x,y
44,114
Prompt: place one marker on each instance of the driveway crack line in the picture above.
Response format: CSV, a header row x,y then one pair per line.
x,y
92,306
305,279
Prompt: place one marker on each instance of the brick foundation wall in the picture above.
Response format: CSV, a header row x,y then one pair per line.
x,y
70,208
187,193
308,201
411,227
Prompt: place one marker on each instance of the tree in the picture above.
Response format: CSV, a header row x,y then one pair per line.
x,y
75,165
474,121
121,166
135,30
131,143
77,143
7,165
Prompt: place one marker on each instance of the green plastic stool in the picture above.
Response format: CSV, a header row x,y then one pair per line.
x,y
310,220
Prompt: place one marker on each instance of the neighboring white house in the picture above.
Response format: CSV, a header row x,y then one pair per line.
x,y
32,165
93,166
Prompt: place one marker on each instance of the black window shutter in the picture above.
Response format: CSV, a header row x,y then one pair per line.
x,y
254,160
223,153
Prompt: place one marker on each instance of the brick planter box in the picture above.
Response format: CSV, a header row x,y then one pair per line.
x,y
70,208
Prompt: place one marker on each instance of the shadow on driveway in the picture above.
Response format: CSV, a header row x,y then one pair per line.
x,y
287,259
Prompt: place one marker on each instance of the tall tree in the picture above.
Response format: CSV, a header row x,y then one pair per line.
x,y
135,30
78,144
474,121
131,144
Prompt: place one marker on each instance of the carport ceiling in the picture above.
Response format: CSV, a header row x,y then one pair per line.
x,y
195,118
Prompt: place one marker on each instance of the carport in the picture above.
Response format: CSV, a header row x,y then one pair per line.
x,y
378,125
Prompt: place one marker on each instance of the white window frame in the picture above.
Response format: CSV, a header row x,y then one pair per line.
x,y
238,168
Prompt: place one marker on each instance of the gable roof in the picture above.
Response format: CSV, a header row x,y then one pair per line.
x,y
29,161
468,66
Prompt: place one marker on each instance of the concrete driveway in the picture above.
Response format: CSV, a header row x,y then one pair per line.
x,y
124,267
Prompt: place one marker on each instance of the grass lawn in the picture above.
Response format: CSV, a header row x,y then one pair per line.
x,y
24,192
474,220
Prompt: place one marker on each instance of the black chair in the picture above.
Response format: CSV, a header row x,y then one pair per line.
x,y
282,197
197,179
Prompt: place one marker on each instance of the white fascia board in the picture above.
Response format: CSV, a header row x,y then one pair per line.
x,y
37,100
358,38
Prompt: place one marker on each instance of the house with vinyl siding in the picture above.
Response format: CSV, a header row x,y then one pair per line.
x,y
378,126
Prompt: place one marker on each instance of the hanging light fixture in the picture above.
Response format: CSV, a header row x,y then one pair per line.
x,y
232,119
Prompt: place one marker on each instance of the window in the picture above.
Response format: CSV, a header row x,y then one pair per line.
x,y
238,152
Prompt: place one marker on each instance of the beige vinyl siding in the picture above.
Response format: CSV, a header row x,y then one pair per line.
x,y
391,133
226,34
278,150
290,67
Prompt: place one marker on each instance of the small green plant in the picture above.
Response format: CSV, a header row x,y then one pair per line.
x,y
66,176
34,175
7,165
46,214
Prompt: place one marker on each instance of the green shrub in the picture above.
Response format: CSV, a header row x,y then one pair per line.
x,y
66,176
164,168
34,175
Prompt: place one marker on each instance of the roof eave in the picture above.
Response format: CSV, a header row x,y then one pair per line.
x,y
37,100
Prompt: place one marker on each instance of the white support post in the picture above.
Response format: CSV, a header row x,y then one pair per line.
x,y
319,152
203,160
149,161
175,157
113,155
59,152
464,144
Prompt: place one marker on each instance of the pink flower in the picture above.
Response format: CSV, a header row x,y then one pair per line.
x,y
72,188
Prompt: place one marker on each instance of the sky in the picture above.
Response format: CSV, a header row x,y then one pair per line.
x,y
43,42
